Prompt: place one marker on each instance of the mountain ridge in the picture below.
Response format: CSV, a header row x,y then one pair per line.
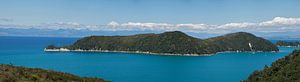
x,y
173,42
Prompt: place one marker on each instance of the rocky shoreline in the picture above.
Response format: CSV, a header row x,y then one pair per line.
x,y
289,46
138,52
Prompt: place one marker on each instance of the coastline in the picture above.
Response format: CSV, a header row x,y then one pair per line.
x,y
137,52
289,46
247,51
142,52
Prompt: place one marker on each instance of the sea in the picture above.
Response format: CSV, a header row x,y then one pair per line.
x,y
128,67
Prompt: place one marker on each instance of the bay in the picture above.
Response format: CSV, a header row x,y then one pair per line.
x,y
125,67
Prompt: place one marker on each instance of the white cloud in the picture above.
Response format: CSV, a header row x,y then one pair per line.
x,y
278,24
237,25
281,21
61,25
113,24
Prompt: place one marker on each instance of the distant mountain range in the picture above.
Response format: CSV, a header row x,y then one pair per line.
x,y
82,33
173,42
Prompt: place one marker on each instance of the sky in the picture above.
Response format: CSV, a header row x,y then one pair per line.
x,y
193,16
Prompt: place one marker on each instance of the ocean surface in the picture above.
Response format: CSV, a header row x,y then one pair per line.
x,y
124,67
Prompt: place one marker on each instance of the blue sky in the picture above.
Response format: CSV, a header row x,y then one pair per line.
x,y
168,11
61,14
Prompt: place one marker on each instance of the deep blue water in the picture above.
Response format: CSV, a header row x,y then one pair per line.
x,y
123,67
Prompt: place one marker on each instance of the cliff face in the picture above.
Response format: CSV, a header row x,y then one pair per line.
x,y
175,42
283,70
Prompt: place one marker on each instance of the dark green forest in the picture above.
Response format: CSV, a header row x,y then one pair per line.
x,y
9,73
174,42
286,69
285,43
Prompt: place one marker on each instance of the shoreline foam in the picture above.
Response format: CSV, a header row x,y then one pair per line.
x,y
138,52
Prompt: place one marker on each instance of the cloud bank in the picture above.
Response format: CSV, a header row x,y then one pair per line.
x,y
277,24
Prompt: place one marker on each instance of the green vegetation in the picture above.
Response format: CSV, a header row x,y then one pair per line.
x,y
240,41
174,42
9,73
285,43
286,69
52,47
168,42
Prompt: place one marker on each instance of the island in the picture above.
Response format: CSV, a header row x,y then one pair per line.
x,y
10,73
170,43
288,44
283,70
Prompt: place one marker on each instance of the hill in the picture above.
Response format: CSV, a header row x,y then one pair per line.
x,y
286,69
169,42
174,42
240,41
9,73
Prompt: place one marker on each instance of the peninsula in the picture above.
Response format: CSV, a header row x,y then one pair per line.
x,y
288,44
170,43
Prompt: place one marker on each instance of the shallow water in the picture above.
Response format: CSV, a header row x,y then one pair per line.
x,y
124,67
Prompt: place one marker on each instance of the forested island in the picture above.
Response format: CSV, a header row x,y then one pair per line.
x,y
9,73
286,69
288,44
170,43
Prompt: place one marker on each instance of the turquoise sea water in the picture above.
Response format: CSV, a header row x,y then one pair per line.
x,y
123,67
